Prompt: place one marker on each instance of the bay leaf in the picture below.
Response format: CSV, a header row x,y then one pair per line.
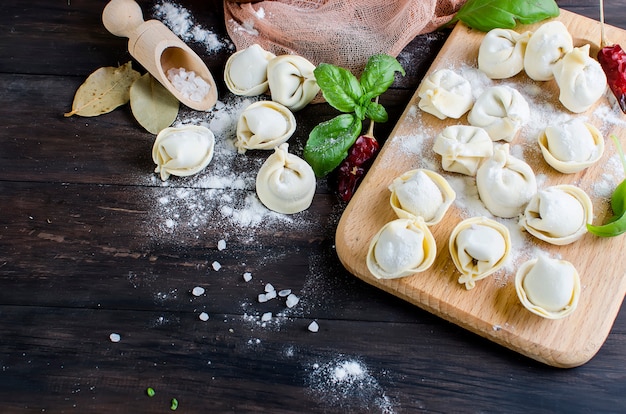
x,y
104,90
154,107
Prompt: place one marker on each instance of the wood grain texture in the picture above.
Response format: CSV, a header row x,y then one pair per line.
x,y
492,308
85,251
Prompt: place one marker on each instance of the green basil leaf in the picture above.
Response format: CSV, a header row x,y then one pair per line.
x,y
485,15
614,227
340,87
377,113
329,142
379,74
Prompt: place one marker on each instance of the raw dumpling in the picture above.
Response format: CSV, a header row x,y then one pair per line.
x,y
401,248
445,94
548,287
558,215
421,193
501,111
547,45
572,146
501,53
580,78
285,182
245,72
182,151
505,183
264,125
479,246
291,81
462,148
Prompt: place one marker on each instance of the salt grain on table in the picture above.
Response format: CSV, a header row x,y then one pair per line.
x,y
313,327
203,316
221,245
216,266
247,276
114,337
266,316
292,300
198,291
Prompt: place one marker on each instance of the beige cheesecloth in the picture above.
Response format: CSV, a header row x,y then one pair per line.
x,y
342,32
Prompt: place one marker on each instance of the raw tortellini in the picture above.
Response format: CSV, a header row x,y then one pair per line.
x,y
401,248
445,94
264,125
285,182
462,148
501,111
580,78
182,151
505,183
291,81
572,146
246,71
501,53
558,214
421,193
548,287
479,246
547,45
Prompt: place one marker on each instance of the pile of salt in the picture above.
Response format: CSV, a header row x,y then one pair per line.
x,y
189,85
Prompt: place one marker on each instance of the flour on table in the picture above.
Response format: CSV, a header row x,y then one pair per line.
x,y
180,21
346,383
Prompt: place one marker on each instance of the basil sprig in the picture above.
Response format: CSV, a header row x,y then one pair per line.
x,y
616,225
485,15
329,142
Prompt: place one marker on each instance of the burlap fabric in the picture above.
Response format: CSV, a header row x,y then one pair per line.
x,y
342,32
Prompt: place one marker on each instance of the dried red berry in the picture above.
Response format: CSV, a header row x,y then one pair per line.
x,y
613,62
355,165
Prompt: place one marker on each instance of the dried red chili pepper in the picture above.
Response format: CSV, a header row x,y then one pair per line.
x,y
613,61
355,165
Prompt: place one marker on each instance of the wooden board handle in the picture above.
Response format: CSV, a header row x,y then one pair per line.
x,y
122,17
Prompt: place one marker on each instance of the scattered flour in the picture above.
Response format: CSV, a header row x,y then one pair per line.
x,y
347,384
180,21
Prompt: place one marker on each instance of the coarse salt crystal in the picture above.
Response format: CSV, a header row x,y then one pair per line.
x,y
204,316
221,245
262,298
269,288
197,291
270,295
285,292
292,300
314,327
216,266
189,85
247,276
266,316
114,337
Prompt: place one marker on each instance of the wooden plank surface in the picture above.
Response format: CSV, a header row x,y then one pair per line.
x,y
85,250
492,308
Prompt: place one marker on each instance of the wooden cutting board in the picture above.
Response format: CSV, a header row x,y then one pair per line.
x,y
492,308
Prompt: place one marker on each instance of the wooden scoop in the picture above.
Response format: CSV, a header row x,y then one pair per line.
x,y
157,49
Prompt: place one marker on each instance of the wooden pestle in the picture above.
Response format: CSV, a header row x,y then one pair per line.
x,y
157,49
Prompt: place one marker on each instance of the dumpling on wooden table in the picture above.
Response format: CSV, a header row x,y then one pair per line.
x,y
479,246
501,110
547,45
571,146
264,125
505,183
462,148
245,72
291,81
501,53
445,94
558,215
402,247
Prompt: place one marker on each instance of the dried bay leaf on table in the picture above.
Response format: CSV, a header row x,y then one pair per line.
x,y
154,107
104,90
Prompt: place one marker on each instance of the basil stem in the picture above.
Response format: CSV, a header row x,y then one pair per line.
x,y
329,142
485,15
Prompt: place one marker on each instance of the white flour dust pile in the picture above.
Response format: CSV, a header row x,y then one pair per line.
x,y
180,21
346,383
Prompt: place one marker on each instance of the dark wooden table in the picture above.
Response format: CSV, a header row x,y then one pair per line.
x,y
92,243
